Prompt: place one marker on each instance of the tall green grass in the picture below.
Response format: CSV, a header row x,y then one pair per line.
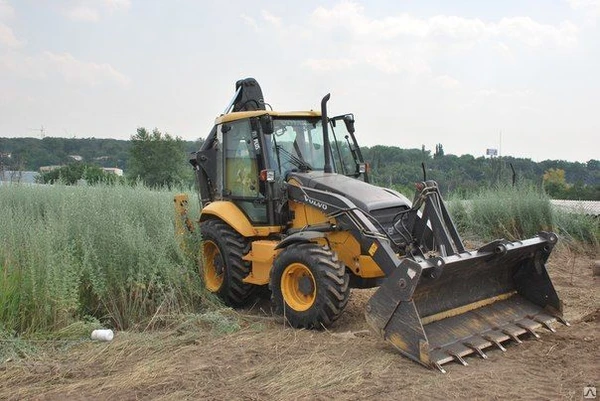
x,y
516,213
109,252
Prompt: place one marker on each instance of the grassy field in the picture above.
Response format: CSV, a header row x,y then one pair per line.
x,y
90,254
520,212
109,254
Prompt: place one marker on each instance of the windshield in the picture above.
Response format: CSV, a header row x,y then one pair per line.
x,y
298,144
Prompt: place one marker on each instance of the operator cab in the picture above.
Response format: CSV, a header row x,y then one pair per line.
x,y
260,149
250,152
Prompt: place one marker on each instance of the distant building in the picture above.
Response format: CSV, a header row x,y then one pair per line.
x,y
109,170
45,169
24,177
77,158
113,170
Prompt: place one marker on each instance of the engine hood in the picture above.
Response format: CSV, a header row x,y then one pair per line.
x,y
366,196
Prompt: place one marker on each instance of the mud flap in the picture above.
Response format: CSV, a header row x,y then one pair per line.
x,y
435,313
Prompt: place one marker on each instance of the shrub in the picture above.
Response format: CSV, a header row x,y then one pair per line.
x,y
517,213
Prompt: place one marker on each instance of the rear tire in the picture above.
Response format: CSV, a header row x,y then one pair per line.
x,y
221,267
310,286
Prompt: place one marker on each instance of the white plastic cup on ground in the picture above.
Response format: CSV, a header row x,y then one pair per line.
x,y
103,335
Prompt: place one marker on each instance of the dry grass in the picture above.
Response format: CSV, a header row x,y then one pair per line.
x,y
198,358
281,363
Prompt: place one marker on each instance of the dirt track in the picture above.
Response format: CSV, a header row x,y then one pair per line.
x,y
267,360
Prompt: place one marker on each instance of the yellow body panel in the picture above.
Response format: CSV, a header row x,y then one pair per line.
x,y
307,215
234,217
348,250
263,252
261,255
182,222
342,242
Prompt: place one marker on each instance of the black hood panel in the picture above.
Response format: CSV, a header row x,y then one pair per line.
x,y
366,196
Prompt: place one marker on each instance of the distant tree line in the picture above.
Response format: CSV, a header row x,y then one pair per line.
x,y
74,172
462,175
160,159
32,153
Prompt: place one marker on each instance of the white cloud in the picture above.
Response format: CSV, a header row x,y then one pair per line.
x,y
251,22
267,16
446,82
79,72
415,47
82,13
329,64
494,93
532,33
18,65
49,66
590,9
93,10
8,38
350,16
6,10
392,62
580,4
118,4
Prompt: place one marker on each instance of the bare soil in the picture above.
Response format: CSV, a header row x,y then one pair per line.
x,y
268,360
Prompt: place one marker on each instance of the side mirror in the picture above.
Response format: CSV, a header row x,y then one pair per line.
x,y
349,121
266,123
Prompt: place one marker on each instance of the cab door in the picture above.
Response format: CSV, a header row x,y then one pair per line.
x,y
241,166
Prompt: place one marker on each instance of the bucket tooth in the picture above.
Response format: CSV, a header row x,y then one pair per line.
x,y
440,357
439,367
546,323
513,336
458,358
563,321
496,340
514,331
476,349
529,330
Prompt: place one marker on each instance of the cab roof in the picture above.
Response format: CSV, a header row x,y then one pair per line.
x,y
224,118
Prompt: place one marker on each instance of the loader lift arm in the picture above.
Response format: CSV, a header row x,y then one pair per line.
x,y
441,308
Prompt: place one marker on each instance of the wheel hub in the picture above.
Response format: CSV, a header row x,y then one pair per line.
x,y
218,265
305,285
298,287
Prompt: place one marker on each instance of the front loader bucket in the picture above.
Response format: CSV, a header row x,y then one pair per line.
x,y
443,309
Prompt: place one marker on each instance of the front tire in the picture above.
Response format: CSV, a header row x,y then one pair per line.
x,y
310,286
222,267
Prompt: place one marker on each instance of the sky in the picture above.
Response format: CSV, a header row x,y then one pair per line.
x,y
519,76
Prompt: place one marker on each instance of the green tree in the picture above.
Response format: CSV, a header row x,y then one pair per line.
x,y
439,151
555,183
157,159
73,172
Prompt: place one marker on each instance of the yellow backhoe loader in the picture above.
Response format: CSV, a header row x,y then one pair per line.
x,y
287,205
